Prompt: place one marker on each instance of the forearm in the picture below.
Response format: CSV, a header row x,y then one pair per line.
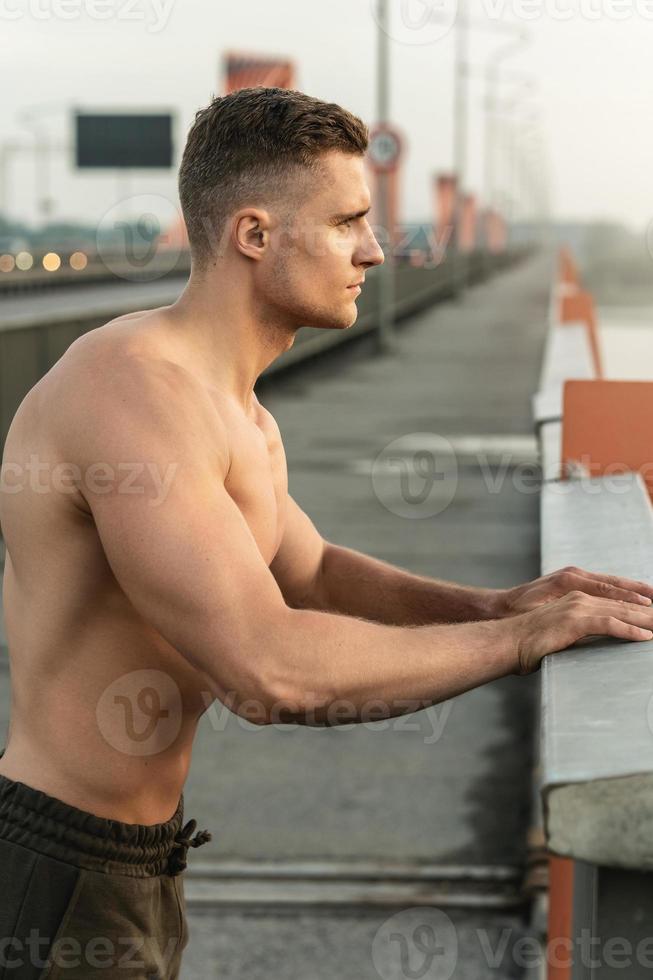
x,y
333,669
355,584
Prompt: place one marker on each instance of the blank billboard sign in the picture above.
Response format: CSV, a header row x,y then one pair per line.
x,y
123,139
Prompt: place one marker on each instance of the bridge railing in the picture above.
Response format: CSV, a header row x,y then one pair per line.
x,y
595,771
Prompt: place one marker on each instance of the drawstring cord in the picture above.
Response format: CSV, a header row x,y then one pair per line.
x,y
177,859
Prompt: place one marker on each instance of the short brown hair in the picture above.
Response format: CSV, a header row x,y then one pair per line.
x,y
246,147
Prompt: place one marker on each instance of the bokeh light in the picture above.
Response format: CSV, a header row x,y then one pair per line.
x,y
78,261
51,262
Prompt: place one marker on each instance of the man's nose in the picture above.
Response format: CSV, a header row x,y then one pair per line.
x,y
379,257
373,253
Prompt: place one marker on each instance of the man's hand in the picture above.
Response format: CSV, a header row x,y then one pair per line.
x,y
556,625
522,598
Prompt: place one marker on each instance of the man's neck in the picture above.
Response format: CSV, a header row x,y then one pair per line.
x,y
229,340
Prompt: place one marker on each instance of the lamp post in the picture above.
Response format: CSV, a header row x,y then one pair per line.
x,y
380,152
462,70
514,127
459,141
31,117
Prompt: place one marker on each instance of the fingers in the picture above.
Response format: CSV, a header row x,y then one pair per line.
x,y
606,590
575,617
616,618
633,586
612,607
598,605
614,626
607,617
643,588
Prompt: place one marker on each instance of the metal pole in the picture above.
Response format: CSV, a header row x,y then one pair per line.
x,y
527,153
490,139
513,129
6,149
386,274
492,80
42,172
459,139
42,146
4,169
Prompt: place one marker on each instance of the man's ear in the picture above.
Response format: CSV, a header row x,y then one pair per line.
x,y
251,232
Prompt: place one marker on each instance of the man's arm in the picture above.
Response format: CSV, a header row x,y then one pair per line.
x,y
184,556
297,565
315,574
358,585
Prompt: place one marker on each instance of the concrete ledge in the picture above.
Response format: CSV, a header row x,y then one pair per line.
x,y
551,450
607,821
597,696
566,355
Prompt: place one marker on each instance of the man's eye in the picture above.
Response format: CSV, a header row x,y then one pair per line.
x,y
347,222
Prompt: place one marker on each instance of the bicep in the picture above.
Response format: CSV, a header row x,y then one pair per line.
x,y
298,562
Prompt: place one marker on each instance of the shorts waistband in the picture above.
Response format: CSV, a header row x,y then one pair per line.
x,y
43,823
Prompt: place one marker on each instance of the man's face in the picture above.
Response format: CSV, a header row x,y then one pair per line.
x,y
323,247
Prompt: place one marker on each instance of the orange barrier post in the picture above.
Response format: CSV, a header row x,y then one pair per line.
x,y
245,70
605,427
467,238
579,306
445,189
559,949
568,271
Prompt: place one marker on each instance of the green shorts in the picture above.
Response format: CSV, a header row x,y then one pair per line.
x,y
82,896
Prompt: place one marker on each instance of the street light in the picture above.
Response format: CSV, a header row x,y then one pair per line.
x,y
386,274
459,138
513,127
30,117
461,71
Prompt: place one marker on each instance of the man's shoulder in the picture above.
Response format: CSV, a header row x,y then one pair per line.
x,y
121,392
107,363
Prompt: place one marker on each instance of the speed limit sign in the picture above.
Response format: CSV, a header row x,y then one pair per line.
x,y
384,148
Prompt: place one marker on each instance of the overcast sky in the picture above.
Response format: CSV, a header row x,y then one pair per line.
x,y
592,60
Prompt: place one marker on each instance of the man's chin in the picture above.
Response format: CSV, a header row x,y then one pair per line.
x,y
347,320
